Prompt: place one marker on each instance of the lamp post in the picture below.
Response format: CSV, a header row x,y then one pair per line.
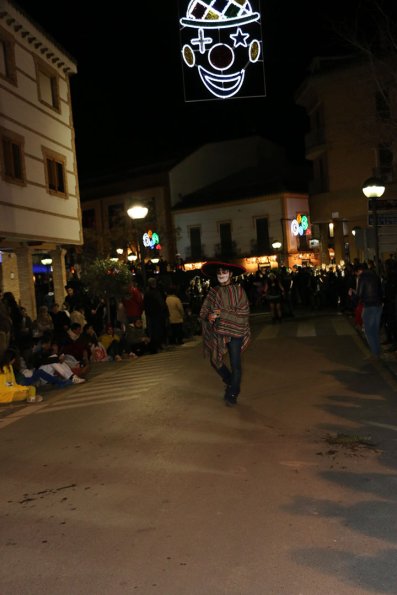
x,y
374,188
277,247
137,212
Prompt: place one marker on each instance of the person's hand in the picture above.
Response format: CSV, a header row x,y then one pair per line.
x,y
212,316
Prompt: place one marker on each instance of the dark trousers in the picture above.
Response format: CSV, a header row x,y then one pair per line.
x,y
232,377
176,333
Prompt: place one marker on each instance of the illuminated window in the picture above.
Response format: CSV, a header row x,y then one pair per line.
x,y
12,157
7,58
55,171
47,85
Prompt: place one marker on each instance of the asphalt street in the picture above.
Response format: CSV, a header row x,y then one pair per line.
x,y
142,481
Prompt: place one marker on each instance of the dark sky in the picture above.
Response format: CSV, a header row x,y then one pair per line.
x,y
128,98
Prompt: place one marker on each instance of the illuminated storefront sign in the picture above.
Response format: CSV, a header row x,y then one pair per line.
x,y
151,240
300,225
221,42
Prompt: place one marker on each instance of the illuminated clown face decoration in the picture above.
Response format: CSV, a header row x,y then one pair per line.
x,y
222,40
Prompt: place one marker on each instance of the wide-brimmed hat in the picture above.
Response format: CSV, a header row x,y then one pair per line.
x,y
210,267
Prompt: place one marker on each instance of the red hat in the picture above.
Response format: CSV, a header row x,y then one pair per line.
x,y
210,267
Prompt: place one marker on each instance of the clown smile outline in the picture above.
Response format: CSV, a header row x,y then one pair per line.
x,y
222,85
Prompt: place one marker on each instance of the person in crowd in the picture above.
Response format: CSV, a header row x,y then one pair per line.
x,y
111,342
176,316
5,327
43,322
71,298
369,294
274,293
133,302
98,315
37,377
46,354
10,390
14,313
61,322
225,320
135,340
78,315
75,344
156,315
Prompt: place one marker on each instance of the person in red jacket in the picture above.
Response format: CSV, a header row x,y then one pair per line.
x,y
133,303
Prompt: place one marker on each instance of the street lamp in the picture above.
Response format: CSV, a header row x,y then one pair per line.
x,y
374,188
137,212
277,247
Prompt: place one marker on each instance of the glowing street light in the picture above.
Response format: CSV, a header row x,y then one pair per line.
x,y
374,188
137,212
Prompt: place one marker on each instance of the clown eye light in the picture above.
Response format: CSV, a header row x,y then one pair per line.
x,y
254,51
221,56
188,56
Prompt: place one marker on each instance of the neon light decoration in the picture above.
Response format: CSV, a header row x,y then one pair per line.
x,y
151,240
300,225
222,41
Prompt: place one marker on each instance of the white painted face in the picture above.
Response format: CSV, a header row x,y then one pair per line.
x,y
223,276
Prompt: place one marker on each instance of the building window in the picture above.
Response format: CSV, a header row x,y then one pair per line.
x,y
116,216
55,172
7,58
47,85
385,161
89,219
12,157
225,235
262,234
195,242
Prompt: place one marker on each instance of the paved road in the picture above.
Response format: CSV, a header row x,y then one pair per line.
x,y
141,481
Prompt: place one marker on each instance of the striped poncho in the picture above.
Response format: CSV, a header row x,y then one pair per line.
x,y
232,302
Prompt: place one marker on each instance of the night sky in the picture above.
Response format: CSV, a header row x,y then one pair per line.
x,y
128,98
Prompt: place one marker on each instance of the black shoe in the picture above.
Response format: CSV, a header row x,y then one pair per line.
x,y
231,400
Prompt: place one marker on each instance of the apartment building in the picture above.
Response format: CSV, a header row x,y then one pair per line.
x,y
105,200
39,191
351,138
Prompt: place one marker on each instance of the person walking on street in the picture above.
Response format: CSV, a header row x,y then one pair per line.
x,y
225,323
369,294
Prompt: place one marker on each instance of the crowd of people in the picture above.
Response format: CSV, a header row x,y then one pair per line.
x,y
59,346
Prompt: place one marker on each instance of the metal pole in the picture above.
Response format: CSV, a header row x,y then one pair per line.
x,y
142,258
375,213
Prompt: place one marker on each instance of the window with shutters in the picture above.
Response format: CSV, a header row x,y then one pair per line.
x,y
12,157
47,85
55,173
7,58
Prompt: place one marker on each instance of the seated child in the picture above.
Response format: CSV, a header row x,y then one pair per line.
x,y
10,391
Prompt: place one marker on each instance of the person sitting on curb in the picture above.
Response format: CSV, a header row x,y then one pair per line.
x,y
10,390
38,376
75,344
111,342
67,367
135,341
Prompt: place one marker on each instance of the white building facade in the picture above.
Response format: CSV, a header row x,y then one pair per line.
x,y
229,202
39,191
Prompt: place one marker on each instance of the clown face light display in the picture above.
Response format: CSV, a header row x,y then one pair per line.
x,y
221,50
